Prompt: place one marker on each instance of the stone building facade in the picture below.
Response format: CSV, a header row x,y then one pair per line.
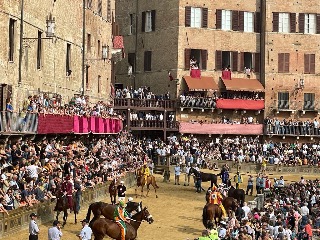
x,y
279,42
55,65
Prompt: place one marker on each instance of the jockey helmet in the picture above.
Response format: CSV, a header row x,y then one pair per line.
x,y
121,203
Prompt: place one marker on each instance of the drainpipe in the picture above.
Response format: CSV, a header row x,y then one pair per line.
x,y
21,42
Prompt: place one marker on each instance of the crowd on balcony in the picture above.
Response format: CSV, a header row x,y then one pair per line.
x,y
228,120
140,93
199,101
151,119
32,172
291,126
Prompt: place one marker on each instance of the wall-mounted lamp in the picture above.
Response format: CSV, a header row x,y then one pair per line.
x,y
51,24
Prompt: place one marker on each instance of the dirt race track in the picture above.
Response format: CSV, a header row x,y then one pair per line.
x,y
177,212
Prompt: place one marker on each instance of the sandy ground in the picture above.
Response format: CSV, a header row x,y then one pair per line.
x,y
177,213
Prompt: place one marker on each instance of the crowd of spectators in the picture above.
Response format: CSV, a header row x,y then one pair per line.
x,y
200,101
30,172
140,93
228,120
291,126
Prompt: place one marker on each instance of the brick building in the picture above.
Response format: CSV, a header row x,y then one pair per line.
x,y
35,62
275,45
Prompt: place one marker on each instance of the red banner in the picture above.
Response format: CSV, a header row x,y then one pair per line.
x,y
241,129
50,123
77,124
241,104
195,73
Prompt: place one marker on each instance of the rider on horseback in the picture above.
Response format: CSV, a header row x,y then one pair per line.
x,y
216,198
145,172
120,216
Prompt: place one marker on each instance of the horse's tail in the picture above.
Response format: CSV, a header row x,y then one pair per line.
x,y
89,212
205,217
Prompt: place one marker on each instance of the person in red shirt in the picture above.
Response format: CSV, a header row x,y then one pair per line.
x,y
67,188
308,229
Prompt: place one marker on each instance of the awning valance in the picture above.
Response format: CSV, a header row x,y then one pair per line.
x,y
243,84
200,84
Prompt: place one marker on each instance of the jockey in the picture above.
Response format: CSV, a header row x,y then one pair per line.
x,y
120,216
145,172
216,198
67,189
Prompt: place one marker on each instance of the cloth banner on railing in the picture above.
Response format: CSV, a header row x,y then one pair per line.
x,y
243,129
242,104
77,124
50,123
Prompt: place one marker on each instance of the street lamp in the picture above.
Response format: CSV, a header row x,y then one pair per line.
x,y
51,23
105,52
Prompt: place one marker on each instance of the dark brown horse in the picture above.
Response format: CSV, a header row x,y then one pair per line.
x,y
211,212
141,182
62,206
230,203
205,177
102,226
113,191
237,194
107,210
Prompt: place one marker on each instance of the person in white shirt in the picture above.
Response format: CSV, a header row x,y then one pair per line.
x,y
33,170
54,233
86,231
246,210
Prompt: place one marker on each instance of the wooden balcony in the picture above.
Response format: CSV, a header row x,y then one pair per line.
x,y
144,104
153,125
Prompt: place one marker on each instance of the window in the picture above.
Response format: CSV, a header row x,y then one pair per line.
x,y
89,4
195,17
147,61
248,22
148,21
39,50
99,9
88,43
226,59
99,84
87,76
283,62
308,103
284,24
226,20
309,63
310,23
99,48
248,60
199,55
12,24
132,24
68,60
283,100
109,10
132,60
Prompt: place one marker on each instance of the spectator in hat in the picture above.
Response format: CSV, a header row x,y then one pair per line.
x,y
54,233
86,232
33,227
121,191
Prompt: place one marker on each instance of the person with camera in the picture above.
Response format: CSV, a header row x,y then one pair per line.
x,y
54,233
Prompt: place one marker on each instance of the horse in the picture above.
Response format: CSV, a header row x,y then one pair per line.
x,y
237,194
102,226
62,206
107,210
113,191
205,177
141,182
230,203
211,212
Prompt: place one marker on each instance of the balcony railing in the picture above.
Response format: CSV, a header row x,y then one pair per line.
x,y
14,122
295,129
143,103
147,124
287,105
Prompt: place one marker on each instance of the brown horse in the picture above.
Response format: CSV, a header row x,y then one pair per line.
x,y
107,210
211,212
230,203
141,182
62,206
113,191
102,226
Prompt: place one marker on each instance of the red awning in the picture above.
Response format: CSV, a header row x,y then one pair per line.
x,y
241,129
241,104
201,84
118,42
243,84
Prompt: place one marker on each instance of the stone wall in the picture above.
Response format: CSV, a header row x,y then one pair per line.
x,y
51,75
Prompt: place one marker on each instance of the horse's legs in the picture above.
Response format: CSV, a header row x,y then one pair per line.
x,y
148,189
155,190
65,217
75,216
136,192
57,216
142,190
